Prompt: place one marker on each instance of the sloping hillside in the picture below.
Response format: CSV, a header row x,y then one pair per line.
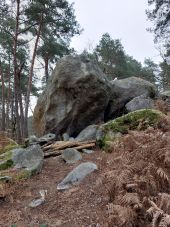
x,y
130,187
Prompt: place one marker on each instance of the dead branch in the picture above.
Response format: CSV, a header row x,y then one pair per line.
x,y
57,152
60,145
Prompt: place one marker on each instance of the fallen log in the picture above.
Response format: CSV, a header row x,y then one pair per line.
x,y
57,152
60,145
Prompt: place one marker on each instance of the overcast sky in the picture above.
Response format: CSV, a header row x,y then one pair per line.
x,y
123,19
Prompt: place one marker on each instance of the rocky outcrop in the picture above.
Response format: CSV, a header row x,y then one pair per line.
x,y
75,97
78,95
124,91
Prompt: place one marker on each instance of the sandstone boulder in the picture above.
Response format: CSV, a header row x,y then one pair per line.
x,y
140,102
124,91
76,96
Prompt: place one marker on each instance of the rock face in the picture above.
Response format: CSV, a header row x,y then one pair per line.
x,y
124,91
140,102
77,175
75,97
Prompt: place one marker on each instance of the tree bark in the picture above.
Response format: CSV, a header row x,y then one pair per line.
x,y
30,80
3,99
18,131
8,98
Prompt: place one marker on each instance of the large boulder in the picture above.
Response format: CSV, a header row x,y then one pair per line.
x,y
124,91
76,96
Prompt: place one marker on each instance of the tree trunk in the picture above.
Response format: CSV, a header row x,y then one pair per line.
x,y
8,98
27,101
21,107
46,69
18,131
3,99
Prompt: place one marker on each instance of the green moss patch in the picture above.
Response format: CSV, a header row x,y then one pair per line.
x,y
137,120
22,175
9,147
6,160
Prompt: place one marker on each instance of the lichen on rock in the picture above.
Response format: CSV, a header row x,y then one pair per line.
x,y
137,120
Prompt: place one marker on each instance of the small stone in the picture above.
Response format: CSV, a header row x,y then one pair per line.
x,y
46,138
65,137
87,151
71,139
71,155
5,178
36,203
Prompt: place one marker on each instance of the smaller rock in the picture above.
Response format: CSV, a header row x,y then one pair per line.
x,y
77,175
165,96
46,138
30,158
71,139
89,133
5,178
65,137
71,155
31,140
140,102
38,202
87,151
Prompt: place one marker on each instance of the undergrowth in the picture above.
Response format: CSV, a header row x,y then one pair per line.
x,y
140,191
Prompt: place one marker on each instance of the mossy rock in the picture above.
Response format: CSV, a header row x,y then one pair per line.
x,y
26,162
137,120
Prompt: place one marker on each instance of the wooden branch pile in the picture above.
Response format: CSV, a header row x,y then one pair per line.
x,y
58,147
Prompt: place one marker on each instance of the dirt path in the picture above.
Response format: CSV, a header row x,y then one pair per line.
x,y
82,205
